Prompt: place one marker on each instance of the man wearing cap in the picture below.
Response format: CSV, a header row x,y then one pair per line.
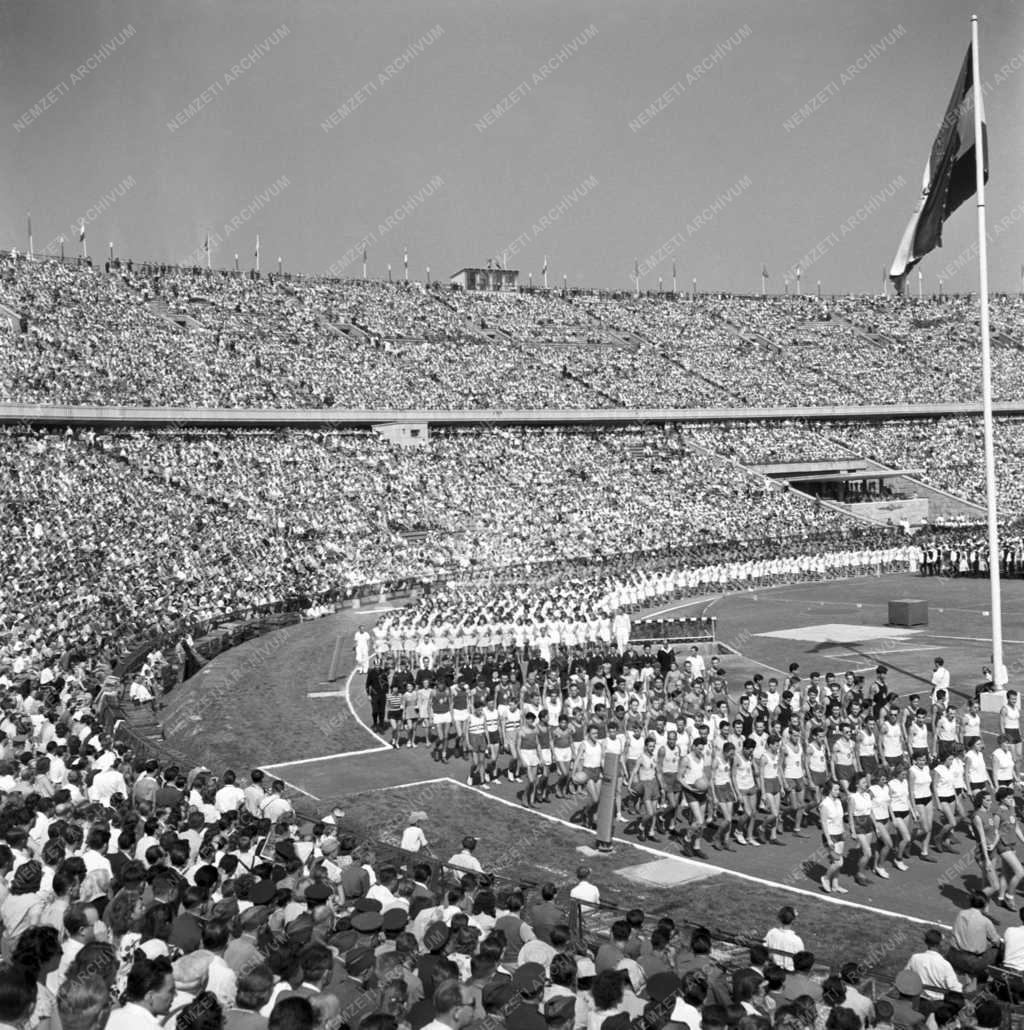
x,y
413,838
254,988
905,1014
242,951
435,940
190,974
528,981
367,925
393,922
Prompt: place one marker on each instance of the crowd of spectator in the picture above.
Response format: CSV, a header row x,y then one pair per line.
x,y
109,535
143,334
134,895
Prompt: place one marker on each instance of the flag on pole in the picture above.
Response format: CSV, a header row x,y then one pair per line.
x,y
949,175
764,272
636,269
544,270
364,255
81,233
673,268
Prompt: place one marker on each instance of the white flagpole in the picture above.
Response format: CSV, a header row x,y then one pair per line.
x,y
986,366
30,248
81,236
257,253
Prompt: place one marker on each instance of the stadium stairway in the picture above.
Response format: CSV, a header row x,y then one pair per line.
x,y
748,337
162,309
875,339
1006,340
616,401
734,394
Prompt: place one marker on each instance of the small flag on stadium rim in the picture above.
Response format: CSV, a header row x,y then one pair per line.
x,y
636,269
544,270
764,271
673,269
949,174
81,232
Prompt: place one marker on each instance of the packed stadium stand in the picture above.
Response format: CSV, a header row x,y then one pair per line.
x,y
140,884
141,334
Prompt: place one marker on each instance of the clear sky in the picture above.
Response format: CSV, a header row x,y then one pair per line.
x,y
564,81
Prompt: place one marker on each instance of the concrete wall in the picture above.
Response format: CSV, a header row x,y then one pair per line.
x,y
914,511
320,418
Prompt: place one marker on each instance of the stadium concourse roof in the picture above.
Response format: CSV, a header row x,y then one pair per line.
x,y
332,418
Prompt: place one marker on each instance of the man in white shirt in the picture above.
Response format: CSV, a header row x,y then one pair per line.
x,y
934,969
79,927
95,854
453,1006
275,806
106,784
254,793
383,889
782,941
230,797
465,859
148,996
584,891
1013,946
940,678
413,837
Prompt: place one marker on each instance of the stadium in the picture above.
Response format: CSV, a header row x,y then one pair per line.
x,y
592,636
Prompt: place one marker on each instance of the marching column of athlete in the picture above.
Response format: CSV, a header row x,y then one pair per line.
x,y
890,779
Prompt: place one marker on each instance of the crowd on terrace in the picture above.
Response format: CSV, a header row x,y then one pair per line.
x,y
110,534
143,334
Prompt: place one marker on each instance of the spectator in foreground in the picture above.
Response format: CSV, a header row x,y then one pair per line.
x,y
938,978
782,941
975,938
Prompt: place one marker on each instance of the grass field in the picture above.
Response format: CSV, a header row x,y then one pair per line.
x,y
520,846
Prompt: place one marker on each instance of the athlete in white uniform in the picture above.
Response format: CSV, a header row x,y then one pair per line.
x,y
833,826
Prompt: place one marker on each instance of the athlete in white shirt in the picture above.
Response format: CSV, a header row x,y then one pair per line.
x,y
833,825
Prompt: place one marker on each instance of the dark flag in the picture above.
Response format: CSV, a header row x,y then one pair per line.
x,y
949,175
